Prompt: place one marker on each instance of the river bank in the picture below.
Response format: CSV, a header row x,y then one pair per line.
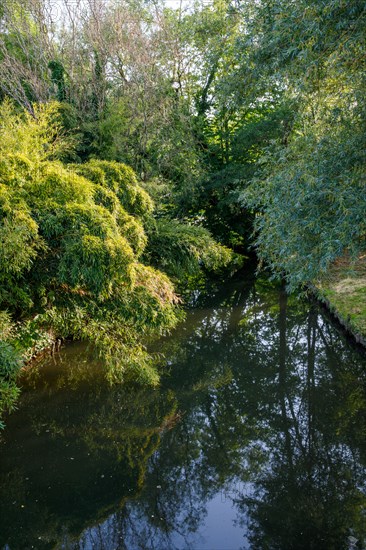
x,y
343,292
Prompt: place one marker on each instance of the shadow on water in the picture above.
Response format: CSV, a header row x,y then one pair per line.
x,y
255,439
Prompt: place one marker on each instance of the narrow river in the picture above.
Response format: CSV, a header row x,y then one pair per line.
x,y
256,439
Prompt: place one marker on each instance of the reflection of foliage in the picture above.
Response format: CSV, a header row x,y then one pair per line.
x,y
263,394
286,420
90,445
307,505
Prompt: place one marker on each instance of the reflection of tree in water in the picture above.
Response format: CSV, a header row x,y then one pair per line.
x,y
262,391
74,453
310,493
290,421
272,397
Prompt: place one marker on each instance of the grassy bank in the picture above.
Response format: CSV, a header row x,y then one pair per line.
x,y
344,292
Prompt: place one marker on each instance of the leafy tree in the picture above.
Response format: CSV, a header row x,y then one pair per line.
x,y
77,248
69,247
308,188
25,52
312,207
9,365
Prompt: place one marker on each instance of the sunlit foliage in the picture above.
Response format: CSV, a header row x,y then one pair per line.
x,y
312,205
70,241
308,187
9,366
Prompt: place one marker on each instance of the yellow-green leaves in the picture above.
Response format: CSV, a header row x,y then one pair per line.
x,y
70,240
121,180
19,239
92,263
54,182
180,249
36,138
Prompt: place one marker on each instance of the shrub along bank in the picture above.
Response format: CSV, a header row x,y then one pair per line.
x,y
72,241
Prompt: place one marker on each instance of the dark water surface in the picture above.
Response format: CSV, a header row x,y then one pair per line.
x,y
255,439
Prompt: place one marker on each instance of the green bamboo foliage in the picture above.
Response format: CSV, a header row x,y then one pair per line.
x,y
9,366
70,241
183,250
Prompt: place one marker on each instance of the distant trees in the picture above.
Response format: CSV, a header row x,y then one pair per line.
x,y
281,119
230,105
25,51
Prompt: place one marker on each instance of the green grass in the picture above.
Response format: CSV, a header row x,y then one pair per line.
x,y
345,290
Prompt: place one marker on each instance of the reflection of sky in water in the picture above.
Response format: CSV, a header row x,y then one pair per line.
x,y
262,413
219,530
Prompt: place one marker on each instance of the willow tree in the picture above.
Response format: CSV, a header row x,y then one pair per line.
x,y
309,189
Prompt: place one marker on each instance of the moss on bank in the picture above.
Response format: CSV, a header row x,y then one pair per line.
x,y
344,292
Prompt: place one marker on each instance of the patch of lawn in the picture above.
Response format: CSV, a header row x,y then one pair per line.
x,y
345,290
